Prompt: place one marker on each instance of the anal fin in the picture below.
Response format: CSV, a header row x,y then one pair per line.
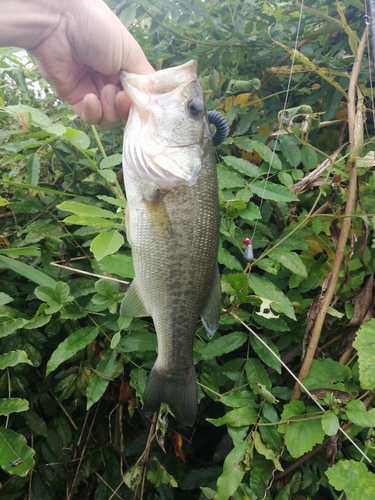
x,y
132,304
211,313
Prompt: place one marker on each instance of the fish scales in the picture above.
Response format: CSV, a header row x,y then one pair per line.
x,y
173,229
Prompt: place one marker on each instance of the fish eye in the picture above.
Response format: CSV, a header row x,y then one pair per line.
x,y
195,108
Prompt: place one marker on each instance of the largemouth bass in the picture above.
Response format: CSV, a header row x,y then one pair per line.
x,y
172,224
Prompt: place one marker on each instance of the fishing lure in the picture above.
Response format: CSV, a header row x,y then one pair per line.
x,y
248,254
222,127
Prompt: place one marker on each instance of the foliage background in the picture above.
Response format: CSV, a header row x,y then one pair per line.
x,y
73,372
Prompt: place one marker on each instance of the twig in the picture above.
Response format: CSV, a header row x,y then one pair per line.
x,y
346,224
86,273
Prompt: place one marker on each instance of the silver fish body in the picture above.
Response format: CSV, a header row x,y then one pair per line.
x,y
172,226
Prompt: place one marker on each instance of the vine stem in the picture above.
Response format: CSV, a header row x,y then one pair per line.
x,y
346,224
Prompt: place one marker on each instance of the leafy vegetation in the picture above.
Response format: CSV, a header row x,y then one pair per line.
x,y
300,183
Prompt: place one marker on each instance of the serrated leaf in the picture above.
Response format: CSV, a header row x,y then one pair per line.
x,y
323,372
27,271
353,478
106,370
274,192
70,346
365,345
256,374
38,119
236,418
242,166
267,154
15,457
264,353
229,260
223,345
84,210
106,243
238,399
300,435
290,260
13,358
13,405
229,179
330,423
265,288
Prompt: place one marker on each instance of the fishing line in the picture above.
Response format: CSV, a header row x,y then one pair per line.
x,y
314,399
248,253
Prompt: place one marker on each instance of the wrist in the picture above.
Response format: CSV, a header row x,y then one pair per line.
x,y
26,23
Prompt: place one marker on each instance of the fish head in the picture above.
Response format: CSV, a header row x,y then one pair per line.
x,y
167,126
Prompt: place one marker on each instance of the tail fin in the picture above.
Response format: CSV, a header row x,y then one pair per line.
x,y
180,394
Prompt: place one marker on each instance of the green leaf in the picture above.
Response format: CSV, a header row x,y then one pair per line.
x,y
323,372
267,154
11,326
106,370
38,119
13,405
70,346
301,435
13,358
84,210
290,260
357,413
365,345
119,264
242,166
263,287
33,170
40,189
290,150
16,252
35,422
256,374
232,474
111,161
228,260
238,399
5,299
27,271
138,380
77,137
138,342
106,243
266,452
239,417
309,156
353,478
15,457
274,192
238,283
223,345
229,179
330,423
264,353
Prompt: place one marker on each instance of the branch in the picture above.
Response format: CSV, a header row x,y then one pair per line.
x,y
349,209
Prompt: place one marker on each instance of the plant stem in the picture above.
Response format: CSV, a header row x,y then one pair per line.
x,y
346,224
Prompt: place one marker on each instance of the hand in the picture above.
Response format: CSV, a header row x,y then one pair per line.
x,y
79,46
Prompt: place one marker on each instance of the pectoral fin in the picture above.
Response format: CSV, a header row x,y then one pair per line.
x,y
211,313
132,304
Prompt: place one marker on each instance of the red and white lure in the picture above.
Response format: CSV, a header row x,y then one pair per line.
x,y
248,254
